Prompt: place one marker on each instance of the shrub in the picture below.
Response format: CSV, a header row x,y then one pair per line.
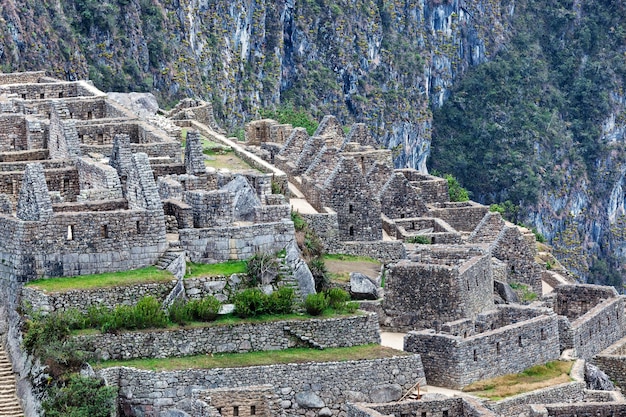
x,y
263,268
205,309
419,239
298,222
179,312
80,397
337,298
320,273
352,306
315,304
148,313
43,331
455,190
281,301
250,302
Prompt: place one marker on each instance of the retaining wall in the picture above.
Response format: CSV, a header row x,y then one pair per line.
x,y
331,384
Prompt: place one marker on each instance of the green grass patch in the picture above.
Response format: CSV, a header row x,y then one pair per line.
x,y
235,360
215,270
536,377
349,258
109,279
525,292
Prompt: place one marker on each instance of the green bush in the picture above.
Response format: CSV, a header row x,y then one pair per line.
x,y
44,331
179,312
148,313
315,304
281,301
298,222
455,190
337,298
320,273
419,239
80,397
264,268
250,302
352,306
205,309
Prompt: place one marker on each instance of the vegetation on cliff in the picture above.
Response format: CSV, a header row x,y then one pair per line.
x,y
527,127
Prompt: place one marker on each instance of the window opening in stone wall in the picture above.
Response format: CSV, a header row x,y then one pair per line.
x,y
350,209
60,94
71,115
543,334
42,96
23,96
105,231
498,348
464,335
100,139
351,231
445,413
519,341
475,355
235,410
423,413
253,410
66,184
70,232
138,227
468,285
89,115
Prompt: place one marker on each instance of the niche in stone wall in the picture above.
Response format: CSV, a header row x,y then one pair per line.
x,y
70,232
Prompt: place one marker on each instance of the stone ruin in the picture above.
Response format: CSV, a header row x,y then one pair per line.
x,y
87,186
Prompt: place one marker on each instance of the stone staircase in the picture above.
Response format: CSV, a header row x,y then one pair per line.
x,y
168,257
307,340
9,404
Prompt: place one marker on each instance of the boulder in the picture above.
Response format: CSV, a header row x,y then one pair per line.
x,y
245,200
362,287
174,413
144,104
505,291
386,393
596,379
309,399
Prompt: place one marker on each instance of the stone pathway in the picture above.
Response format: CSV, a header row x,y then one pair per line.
x,y
9,404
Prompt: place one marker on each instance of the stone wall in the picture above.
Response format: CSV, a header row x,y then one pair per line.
x,y
453,407
323,385
384,251
41,91
574,301
456,361
462,216
21,77
612,361
234,338
599,328
82,299
584,409
97,181
80,243
220,244
421,295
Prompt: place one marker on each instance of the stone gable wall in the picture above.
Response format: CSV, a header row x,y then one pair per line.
x,y
234,338
333,383
12,132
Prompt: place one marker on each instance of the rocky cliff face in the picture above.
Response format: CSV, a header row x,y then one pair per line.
x,y
374,61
